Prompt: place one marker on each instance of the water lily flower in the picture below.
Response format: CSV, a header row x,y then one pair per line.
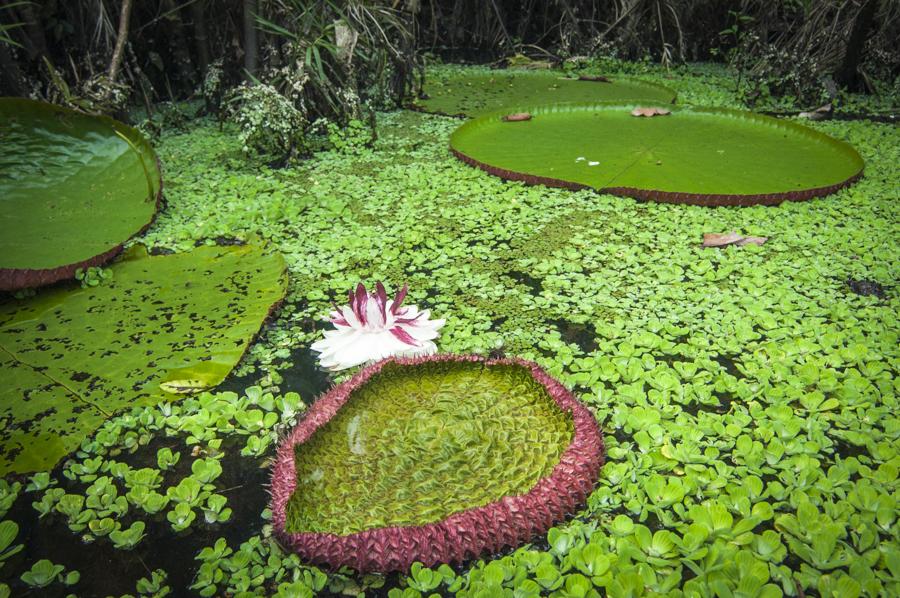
x,y
372,327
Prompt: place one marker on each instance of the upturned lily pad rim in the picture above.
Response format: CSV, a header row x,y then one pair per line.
x,y
13,279
658,195
417,107
464,534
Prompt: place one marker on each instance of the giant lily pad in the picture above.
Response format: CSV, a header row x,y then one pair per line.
x,y
470,94
433,459
69,358
73,188
705,156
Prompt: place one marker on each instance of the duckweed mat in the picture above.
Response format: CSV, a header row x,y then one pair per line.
x,y
475,94
433,459
73,189
703,156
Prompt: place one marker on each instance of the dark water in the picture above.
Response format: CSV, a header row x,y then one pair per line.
x,y
108,571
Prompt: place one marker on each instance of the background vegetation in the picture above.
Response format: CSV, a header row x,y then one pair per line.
x,y
342,59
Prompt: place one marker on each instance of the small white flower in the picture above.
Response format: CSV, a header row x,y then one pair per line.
x,y
593,163
373,327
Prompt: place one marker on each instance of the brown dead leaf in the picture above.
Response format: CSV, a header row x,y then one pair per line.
x,y
720,239
820,113
517,117
732,238
642,111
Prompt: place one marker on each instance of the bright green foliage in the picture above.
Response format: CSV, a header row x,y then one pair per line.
x,y
126,539
474,93
704,151
42,574
73,186
418,443
166,458
8,532
154,586
121,340
8,494
785,382
713,372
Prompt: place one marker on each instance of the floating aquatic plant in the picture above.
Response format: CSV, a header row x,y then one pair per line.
x,y
703,156
472,93
372,327
75,187
433,459
161,320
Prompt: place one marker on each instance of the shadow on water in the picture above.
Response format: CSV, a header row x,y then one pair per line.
x,y
305,376
526,279
583,335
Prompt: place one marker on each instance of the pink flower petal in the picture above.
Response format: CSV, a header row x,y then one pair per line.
x,y
398,299
403,336
362,298
381,301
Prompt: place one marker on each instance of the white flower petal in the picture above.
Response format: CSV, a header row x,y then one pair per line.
x,y
354,344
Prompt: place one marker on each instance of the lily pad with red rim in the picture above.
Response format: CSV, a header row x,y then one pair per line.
x,y
73,189
704,156
433,459
468,94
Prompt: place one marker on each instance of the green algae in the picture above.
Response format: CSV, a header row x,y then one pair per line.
x,y
418,443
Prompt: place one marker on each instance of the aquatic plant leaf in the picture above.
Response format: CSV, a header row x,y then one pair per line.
x,y
477,94
73,189
184,387
70,358
432,459
705,156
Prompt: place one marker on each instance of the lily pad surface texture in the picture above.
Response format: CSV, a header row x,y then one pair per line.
x,y
475,94
70,358
433,459
73,189
703,156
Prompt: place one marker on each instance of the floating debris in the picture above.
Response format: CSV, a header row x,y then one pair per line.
x,y
517,117
641,111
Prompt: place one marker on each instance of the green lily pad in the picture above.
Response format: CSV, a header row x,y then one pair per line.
x,y
73,189
418,443
706,156
469,94
70,358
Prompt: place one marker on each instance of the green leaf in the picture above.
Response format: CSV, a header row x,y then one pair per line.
x,y
605,148
421,442
184,387
126,539
80,186
476,94
146,320
8,532
42,574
